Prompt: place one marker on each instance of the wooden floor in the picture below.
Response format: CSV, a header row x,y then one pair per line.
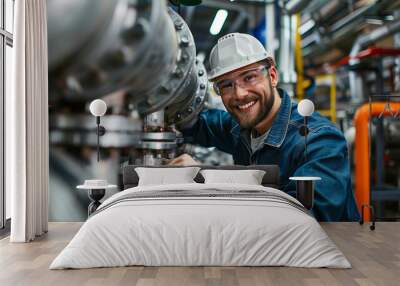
x,y
375,257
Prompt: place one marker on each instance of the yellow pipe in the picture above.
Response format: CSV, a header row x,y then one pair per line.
x,y
333,98
299,61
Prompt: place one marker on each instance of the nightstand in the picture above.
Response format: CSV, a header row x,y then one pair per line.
x,y
305,190
96,191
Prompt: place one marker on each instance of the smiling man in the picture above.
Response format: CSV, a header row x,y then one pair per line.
x,y
262,127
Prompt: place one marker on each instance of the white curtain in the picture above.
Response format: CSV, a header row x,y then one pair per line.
x,y
27,123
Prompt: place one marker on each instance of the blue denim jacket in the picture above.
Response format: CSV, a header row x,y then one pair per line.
x,y
327,155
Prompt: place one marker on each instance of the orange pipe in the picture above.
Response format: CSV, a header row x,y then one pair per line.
x,y
361,147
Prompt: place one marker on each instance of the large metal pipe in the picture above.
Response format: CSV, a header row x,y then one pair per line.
x,y
137,46
295,6
135,40
342,30
356,81
364,41
68,34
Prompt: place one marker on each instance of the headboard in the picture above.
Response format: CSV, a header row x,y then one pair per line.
x,y
130,178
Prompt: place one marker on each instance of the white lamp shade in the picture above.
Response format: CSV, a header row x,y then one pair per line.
x,y
305,107
98,107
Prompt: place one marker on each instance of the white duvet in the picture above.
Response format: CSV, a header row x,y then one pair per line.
x,y
183,231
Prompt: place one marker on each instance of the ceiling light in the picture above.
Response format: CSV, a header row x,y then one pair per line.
x,y
218,22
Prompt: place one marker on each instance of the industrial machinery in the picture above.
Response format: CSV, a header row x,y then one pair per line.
x,y
138,53
138,56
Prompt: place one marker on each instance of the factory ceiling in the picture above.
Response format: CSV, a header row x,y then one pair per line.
x,y
332,28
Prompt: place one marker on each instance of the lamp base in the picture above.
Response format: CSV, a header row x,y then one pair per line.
x,y
305,190
95,195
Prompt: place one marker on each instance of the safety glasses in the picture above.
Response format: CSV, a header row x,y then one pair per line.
x,y
244,79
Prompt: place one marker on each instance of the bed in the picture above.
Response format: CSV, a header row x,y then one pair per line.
x,y
201,224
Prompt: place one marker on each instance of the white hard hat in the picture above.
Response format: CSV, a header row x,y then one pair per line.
x,y
234,51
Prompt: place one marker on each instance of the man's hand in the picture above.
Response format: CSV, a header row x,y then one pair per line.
x,y
183,160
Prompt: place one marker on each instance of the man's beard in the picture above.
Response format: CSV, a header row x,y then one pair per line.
x,y
265,109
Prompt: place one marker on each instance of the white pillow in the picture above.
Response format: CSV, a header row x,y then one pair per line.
x,y
248,177
163,176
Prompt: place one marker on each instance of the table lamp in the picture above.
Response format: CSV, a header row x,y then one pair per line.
x,y
305,109
305,184
98,108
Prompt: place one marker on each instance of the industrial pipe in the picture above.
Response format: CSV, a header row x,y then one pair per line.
x,y
139,49
336,33
356,82
361,149
296,6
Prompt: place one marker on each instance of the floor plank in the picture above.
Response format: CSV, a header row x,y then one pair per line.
x,y
374,255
